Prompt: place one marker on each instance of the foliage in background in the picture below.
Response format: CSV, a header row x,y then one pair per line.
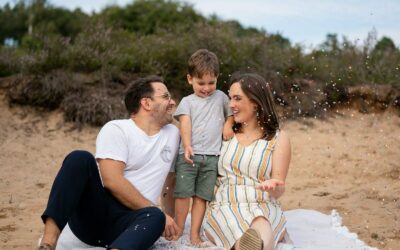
x,y
101,53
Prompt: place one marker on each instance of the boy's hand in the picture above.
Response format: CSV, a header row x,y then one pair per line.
x,y
227,133
270,185
188,154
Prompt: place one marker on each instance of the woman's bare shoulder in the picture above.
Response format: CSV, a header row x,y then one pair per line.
x,y
283,139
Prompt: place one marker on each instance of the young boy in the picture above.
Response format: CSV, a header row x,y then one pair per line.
x,y
203,115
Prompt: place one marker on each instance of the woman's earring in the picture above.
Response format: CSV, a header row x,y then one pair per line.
x,y
258,119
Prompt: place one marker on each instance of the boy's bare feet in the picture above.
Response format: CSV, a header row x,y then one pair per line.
x,y
178,235
197,242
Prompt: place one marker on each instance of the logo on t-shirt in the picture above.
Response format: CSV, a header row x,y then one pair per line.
x,y
166,154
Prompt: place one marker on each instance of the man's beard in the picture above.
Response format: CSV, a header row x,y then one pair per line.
x,y
168,119
162,115
165,118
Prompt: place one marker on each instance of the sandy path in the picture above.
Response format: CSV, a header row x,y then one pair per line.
x,y
349,162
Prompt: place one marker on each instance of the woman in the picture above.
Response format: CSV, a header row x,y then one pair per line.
x,y
251,172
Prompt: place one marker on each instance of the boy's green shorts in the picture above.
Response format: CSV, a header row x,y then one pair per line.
x,y
198,180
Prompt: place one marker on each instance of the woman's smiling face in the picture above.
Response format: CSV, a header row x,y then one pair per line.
x,y
244,110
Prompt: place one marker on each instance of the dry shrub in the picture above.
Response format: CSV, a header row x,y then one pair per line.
x,y
371,97
92,107
8,62
47,91
84,98
336,94
396,102
300,98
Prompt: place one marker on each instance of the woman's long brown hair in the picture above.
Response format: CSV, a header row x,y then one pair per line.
x,y
258,91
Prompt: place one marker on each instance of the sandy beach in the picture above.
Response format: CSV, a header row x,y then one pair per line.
x,y
349,162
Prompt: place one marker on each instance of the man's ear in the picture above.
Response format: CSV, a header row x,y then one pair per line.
x,y
145,103
189,78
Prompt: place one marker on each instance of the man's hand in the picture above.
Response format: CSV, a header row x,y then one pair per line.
x,y
171,229
188,154
270,185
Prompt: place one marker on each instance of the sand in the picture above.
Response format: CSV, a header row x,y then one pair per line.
x,y
349,162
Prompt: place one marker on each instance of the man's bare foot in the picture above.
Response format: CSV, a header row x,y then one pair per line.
x,y
45,246
50,235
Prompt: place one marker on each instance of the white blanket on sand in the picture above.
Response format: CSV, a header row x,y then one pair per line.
x,y
308,229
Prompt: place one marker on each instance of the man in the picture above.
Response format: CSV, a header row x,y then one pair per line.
x,y
108,201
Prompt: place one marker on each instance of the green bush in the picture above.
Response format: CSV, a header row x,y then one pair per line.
x,y
111,48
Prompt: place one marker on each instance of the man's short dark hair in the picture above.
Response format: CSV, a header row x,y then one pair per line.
x,y
139,89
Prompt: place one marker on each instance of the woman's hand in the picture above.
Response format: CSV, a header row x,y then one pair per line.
x,y
270,185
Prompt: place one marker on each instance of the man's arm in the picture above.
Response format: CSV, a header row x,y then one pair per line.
x,y
112,175
167,196
111,172
168,206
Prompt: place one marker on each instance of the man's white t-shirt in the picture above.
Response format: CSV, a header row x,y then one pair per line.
x,y
148,159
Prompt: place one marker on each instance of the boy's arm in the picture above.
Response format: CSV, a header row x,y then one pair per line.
x,y
227,132
186,136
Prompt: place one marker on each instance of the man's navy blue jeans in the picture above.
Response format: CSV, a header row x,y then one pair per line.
x,y
93,214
